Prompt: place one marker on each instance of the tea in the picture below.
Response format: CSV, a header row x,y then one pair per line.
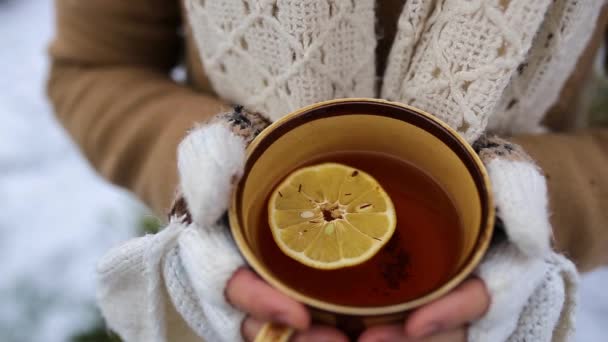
x,y
421,255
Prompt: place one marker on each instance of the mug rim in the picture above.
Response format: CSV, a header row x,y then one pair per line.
x,y
456,144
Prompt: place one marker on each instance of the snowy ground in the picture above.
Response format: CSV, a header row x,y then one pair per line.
x,y
58,217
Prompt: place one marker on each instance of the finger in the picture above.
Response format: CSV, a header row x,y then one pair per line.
x,y
250,328
319,333
454,335
251,294
394,333
387,333
468,302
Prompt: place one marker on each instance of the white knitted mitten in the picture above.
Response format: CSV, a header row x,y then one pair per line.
x,y
533,289
154,287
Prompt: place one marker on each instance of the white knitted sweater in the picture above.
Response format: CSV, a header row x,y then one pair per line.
x,y
479,65
473,63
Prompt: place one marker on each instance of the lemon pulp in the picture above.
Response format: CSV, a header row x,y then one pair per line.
x,y
330,216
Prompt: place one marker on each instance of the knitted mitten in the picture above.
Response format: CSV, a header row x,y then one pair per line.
x,y
154,287
533,289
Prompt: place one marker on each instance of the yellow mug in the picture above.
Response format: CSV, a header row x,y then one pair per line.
x,y
362,125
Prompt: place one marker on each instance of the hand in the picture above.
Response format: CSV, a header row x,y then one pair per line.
x,y
443,320
262,303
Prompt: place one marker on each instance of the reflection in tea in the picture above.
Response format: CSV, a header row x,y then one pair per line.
x,y
421,256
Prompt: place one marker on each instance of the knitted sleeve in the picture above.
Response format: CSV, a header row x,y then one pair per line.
x,y
111,89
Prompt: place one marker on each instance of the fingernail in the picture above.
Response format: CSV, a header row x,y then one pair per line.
x,y
428,330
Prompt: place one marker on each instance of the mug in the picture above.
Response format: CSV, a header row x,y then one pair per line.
x,y
370,125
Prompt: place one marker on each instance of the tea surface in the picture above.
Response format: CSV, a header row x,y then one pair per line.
x,y
421,255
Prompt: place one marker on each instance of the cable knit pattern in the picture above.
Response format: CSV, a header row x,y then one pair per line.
x,y
410,27
536,84
468,62
465,58
277,56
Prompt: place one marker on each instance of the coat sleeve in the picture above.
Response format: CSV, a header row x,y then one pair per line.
x,y
576,168
111,88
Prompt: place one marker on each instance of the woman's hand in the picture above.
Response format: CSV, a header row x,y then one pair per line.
x,y
443,320
262,303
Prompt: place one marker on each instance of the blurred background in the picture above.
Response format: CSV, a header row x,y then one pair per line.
x,y
57,217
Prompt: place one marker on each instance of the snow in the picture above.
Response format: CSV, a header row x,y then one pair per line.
x,y
58,217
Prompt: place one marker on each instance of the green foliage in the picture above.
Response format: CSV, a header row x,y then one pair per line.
x,y
98,334
149,224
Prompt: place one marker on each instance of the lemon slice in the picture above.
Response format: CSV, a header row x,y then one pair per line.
x,y
330,216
